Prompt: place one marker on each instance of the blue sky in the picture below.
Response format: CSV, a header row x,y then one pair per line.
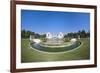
x,y
54,21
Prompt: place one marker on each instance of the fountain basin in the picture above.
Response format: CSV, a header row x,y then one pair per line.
x,y
56,48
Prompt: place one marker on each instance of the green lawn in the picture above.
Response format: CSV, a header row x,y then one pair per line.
x,y
30,55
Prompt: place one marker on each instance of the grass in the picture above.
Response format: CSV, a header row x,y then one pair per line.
x,y
30,55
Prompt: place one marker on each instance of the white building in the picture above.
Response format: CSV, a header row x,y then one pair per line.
x,y
50,36
60,35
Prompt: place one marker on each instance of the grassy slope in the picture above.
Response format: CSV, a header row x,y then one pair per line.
x,y
31,55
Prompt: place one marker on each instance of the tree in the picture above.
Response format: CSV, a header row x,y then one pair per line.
x,y
88,34
23,33
37,35
26,34
83,34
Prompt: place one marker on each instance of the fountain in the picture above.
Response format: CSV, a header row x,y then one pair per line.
x,y
54,39
54,43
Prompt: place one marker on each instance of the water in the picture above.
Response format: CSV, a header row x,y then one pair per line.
x,y
56,49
